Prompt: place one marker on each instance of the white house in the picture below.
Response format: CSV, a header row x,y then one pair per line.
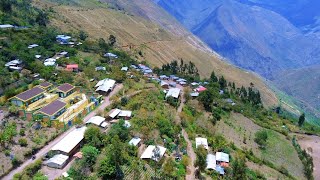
x,y
202,142
222,157
96,120
151,151
174,92
105,85
58,161
70,142
134,141
110,55
211,162
6,26
114,113
124,69
50,62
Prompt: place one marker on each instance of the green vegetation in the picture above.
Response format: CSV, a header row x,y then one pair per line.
x,y
261,138
305,158
31,172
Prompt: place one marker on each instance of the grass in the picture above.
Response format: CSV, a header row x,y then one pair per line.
x,y
280,151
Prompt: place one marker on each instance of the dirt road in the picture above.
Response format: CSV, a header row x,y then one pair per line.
x,y
47,148
312,145
192,155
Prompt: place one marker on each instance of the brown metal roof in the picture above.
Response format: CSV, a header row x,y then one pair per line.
x,y
65,87
52,108
45,84
30,93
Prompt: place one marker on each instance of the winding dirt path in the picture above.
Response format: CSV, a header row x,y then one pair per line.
x,y
192,155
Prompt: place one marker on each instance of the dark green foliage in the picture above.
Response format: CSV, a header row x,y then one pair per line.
x,y
90,154
112,40
119,130
261,138
302,118
83,35
185,70
23,142
239,168
94,137
201,161
172,101
124,101
305,158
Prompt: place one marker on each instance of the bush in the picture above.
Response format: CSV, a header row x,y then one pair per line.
x,y
261,138
23,142
15,162
22,132
7,152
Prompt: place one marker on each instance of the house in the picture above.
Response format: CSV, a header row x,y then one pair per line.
x,y
202,142
220,170
37,56
124,69
194,84
65,90
174,92
164,85
14,65
63,53
6,26
110,55
63,39
70,144
28,97
182,83
117,113
53,110
96,120
125,114
58,161
50,62
200,89
135,141
194,94
152,151
164,77
100,68
72,67
31,46
105,86
211,162
222,157
46,86
114,113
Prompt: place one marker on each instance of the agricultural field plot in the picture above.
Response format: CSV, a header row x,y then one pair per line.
x,y
279,149
20,139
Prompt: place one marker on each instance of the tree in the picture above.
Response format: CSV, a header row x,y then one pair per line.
x,y
239,169
90,155
213,77
42,18
302,118
23,142
261,138
112,40
201,161
107,168
94,137
6,6
169,168
83,35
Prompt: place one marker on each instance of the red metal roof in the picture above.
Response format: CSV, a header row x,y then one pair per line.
x,y
72,66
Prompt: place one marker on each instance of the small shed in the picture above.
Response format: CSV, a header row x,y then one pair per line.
x,y
164,85
202,142
222,157
96,120
211,162
72,67
135,141
58,161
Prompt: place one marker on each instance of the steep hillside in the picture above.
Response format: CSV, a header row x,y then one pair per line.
x,y
250,36
160,40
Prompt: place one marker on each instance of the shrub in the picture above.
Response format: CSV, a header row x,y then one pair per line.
x,y
22,132
23,142
15,162
261,138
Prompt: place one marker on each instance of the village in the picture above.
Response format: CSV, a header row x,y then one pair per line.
x,y
73,109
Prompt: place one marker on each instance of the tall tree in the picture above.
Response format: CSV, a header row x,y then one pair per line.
x,y
239,169
302,118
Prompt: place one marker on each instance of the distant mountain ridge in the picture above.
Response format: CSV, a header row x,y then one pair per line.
x,y
249,35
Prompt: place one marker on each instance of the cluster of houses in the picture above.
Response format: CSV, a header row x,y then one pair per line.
x,y
64,103
14,65
217,161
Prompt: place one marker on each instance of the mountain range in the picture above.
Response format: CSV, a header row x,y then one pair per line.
x,y
273,38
